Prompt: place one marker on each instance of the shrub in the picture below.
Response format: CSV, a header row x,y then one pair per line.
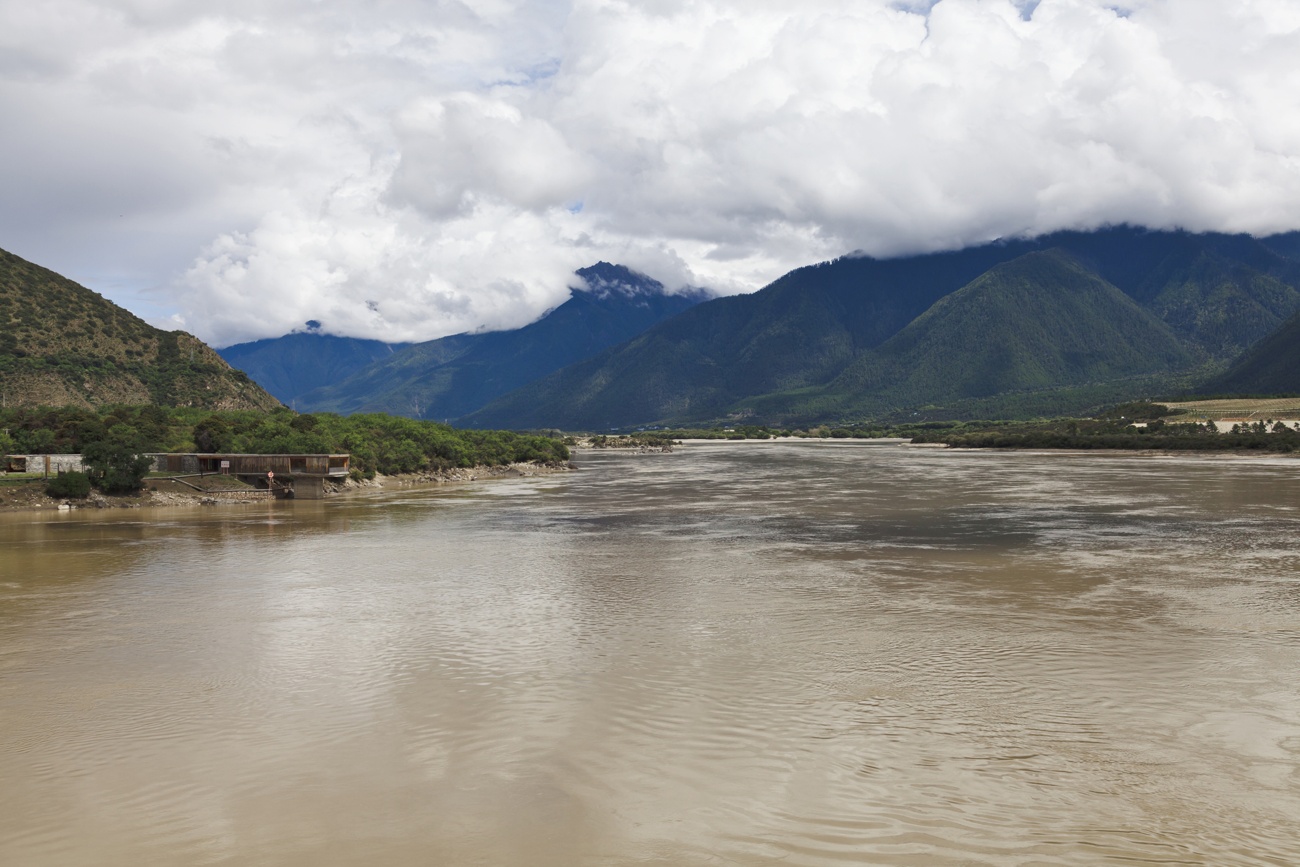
x,y
71,485
116,464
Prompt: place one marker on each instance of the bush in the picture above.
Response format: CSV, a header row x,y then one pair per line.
x,y
71,485
116,464
212,435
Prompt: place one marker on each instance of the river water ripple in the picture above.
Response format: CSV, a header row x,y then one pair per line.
x,y
746,654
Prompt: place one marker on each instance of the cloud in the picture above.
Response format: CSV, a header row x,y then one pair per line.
x,y
274,162
365,270
458,150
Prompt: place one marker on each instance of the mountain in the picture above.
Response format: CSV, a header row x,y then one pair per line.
x,y
726,358
1039,322
452,376
62,344
1218,292
1271,366
296,363
800,330
1286,244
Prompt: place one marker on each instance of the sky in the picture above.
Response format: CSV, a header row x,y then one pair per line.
x,y
407,169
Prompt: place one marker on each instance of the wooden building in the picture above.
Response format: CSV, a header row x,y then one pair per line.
x,y
303,474
253,465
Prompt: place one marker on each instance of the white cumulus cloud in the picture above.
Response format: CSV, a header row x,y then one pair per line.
x,y
404,169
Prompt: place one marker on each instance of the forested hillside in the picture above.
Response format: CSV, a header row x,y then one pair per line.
x,y
1179,308
62,344
452,376
294,364
1271,366
1038,322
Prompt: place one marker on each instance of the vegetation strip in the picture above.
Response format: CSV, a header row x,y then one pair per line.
x,y
113,441
1134,426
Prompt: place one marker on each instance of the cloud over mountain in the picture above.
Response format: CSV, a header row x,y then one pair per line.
x,y
403,170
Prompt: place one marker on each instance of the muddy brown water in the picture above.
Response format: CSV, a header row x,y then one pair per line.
x,y
743,654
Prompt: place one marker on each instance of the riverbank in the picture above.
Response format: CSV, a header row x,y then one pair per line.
x,y
30,496
635,445
443,477
1242,453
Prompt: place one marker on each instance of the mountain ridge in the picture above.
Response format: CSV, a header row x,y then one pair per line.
x,y
452,376
62,344
296,363
1271,366
1041,321
722,358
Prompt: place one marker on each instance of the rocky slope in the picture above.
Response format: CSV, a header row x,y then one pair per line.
x,y
63,345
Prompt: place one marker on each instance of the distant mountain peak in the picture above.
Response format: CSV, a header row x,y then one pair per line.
x,y
604,281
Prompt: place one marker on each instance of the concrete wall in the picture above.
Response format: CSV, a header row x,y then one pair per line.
x,y
175,464
308,488
53,464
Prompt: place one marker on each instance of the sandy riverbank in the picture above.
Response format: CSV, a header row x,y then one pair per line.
x,y
616,444
443,477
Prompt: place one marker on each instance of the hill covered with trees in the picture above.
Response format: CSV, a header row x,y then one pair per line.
x,y
62,344
297,363
1108,316
452,376
1271,366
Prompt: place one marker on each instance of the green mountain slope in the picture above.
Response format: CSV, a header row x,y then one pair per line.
x,y
1036,323
1221,305
1220,293
296,363
382,385
801,330
723,358
64,345
447,378
1286,244
1272,366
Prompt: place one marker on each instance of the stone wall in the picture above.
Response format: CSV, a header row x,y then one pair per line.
x,y
177,465
52,464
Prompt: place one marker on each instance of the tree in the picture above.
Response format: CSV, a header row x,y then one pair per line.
x,y
75,486
212,435
35,442
304,423
116,464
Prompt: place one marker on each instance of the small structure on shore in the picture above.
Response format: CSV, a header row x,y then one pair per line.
x,y
49,465
304,475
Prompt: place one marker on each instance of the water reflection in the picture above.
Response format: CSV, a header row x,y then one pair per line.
x,y
756,654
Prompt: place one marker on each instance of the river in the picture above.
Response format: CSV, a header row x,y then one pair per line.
x,y
740,654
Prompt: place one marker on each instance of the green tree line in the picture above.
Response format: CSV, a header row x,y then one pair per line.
x,y
378,443
1114,431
